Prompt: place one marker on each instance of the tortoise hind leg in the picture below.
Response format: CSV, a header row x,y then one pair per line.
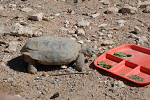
x,y
80,62
31,67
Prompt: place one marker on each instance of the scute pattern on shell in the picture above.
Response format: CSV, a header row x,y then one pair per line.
x,y
52,50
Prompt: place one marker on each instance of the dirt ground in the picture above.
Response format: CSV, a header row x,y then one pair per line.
x,y
98,84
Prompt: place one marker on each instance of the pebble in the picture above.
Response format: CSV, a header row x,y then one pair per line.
x,y
10,79
108,42
147,9
12,46
55,95
137,30
80,32
144,4
120,84
56,15
74,35
2,64
27,9
63,67
95,15
110,35
81,42
71,32
37,16
70,70
143,39
121,22
37,34
53,82
16,29
105,2
94,47
83,24
112,10
13,83
128,9
10,5
102,25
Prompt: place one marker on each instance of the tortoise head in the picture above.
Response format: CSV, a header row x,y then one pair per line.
x,y
87,51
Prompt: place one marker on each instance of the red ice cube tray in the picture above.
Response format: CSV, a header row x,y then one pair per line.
x,y
138,63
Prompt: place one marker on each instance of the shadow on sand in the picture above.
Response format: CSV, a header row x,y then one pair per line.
x,y
18,64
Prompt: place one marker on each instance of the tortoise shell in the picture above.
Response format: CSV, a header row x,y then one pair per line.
x,y
51,50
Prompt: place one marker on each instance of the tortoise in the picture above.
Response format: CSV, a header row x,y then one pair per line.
x,y
50,50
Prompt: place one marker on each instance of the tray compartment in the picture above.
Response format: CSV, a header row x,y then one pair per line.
x,y
138,54
109,59
142,72
124,67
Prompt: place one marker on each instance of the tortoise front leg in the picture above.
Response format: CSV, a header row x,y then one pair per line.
x,y
31,67
80,62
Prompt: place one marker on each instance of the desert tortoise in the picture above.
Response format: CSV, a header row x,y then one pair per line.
x,y
49,50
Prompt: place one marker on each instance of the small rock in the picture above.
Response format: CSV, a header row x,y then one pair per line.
x,y
63,66
105,2
108,42
63,29
26,9
71,11
81,42
95,15
94,47
74,35
53,82
37,16
23,23
144,4
112,10
12,46
71,32
10,79
83,24
143,39
129,9
70,70
147,9
2,64
121,22
37,34
56,15
18,95
55,95
100,33
94,36
16,29
102,25
137,30
80,32
13,83
66,22
45,74
10,5
120,84
110,35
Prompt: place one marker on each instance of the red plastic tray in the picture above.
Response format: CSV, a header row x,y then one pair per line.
x,y
138,63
